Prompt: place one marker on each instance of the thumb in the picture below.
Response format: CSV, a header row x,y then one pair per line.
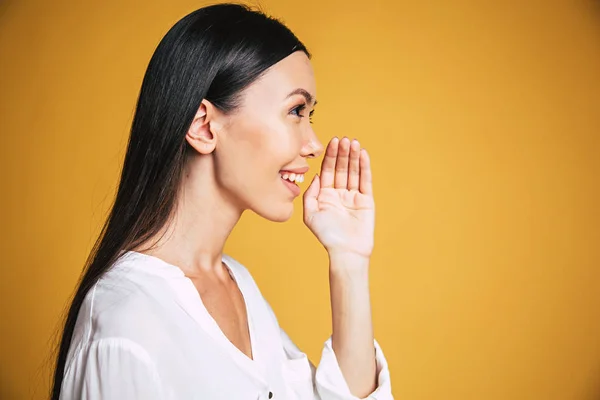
x,y
311,204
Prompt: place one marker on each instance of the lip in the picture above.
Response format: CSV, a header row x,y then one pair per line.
x,y
296,171
295,189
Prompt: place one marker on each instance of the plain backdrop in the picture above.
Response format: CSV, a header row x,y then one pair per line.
x,y
483,123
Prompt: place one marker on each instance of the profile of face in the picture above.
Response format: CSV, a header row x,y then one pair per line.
x,y
256,151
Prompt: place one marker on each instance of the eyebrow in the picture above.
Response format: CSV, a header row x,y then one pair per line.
x,y
309,98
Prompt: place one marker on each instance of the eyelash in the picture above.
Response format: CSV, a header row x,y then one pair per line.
x,y
299,109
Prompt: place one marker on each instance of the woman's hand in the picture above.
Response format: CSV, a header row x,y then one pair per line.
x,y
338,206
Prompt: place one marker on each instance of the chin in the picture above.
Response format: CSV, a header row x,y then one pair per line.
x,y
277,212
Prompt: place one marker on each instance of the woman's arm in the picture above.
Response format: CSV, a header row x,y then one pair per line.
x,y
339,209
352,338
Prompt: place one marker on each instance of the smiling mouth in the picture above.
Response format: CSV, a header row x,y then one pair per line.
x,y
292,177
291,180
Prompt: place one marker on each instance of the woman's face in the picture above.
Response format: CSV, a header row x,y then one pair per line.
x,y
268,139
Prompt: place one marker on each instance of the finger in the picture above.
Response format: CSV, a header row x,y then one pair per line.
x,y
366,182
328,164
311,204
341,164
354,172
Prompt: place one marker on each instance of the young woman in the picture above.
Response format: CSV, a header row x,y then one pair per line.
x,y
221,126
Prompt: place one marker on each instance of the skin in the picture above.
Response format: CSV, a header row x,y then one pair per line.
x,y
229,173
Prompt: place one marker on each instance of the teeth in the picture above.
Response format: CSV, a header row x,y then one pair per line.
x,y
298,178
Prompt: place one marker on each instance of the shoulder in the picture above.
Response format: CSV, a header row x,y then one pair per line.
x,y
122,313
126,302
111,368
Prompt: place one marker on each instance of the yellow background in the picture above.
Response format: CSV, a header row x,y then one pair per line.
x,y
483,123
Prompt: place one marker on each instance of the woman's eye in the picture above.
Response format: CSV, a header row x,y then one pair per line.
x,y
298,110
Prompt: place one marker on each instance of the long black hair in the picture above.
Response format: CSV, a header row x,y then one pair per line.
x,y
212,53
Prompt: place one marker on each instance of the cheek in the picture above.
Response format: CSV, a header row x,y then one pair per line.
x,y
274,146
250,157
285,144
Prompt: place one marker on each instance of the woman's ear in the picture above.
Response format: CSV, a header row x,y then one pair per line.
x,y
201,135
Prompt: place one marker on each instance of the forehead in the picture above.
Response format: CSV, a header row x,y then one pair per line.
x,y
293,72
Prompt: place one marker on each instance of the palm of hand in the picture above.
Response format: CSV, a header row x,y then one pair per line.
x,y
338,206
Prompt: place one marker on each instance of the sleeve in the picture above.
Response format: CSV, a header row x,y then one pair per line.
x,y
112,369
327,381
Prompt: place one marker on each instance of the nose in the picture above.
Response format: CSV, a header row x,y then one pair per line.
x,y
312,146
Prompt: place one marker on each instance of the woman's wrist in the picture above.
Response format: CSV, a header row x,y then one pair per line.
x,y
347,262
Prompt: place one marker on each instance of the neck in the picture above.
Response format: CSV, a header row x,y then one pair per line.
x,y
203,219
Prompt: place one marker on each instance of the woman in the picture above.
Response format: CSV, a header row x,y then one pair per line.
x,y
221,126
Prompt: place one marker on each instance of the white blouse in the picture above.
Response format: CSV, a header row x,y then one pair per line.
x,y
144,333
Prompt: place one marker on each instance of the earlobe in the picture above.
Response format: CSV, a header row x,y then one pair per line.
x,y
200,135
